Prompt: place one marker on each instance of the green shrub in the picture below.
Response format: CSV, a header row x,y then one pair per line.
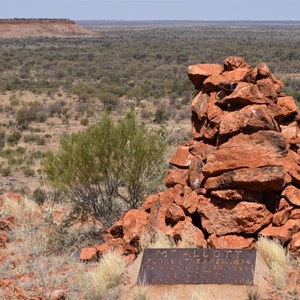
x,y
14,138
109,167
6,171
28,172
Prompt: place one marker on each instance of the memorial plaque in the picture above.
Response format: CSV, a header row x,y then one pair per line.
x,y
197,266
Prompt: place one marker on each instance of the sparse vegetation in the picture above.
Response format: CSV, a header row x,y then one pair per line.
x,y
276,258
122,163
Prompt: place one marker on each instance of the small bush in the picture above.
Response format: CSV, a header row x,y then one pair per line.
x,y
39,196
6,171
84,121
28,172
14,138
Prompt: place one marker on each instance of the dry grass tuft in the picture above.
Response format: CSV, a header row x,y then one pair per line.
x,y
169,295
205,295
276,258
158,240
141,292
104,281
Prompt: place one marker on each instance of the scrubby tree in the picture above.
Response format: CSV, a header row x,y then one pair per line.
x,y
108,168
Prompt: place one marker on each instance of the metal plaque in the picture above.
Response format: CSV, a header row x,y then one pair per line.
x,y
197,266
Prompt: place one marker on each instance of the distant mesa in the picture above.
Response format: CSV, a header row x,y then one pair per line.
x,y
23,28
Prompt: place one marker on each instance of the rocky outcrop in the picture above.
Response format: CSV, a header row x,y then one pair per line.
x,y
23,28
239,175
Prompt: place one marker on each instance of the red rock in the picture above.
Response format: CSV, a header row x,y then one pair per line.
x,y
294,246
5,224
223,218
195,173
283,233
295,214
198,73
190,232
230,242
282,204
102,249
134,222
174,214
287,107
199,148
259,72
282,216
150,201
292,167
252,150
289,132
261,179
157,218
214,112
234,62
245,94
176,176
200,105
182,157
117,230
212,83
237,195
190,201
251,117
292,194
267,88
88,254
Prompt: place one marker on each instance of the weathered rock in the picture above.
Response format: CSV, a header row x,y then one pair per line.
x,y
214,112
249,118
200,105
182,157
282,204
290,131
191,233
292,194
174,214
237,195
295,214
117,230
234,62
245,94
176,176
198,73
195,172
88,254
282,216
4,238
287,106
212,83
230,242
283,233
223,218
267,88
190,201
259,72
261,179
259,149
134,222
200,148
294,246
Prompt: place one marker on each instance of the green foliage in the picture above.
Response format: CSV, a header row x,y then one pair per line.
x,y
13,138
109,167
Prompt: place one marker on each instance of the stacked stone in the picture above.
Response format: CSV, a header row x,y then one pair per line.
x,y
239,175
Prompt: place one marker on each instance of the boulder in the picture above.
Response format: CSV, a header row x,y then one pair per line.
x,y
88,254
174,214
230,241
295,214
287,107
294,246
235,62
283,233
292,194
249,118
222,218
259,149
245,94
213,82
282,216
198,73
182,157
261,179
176,176
190,233
267,88
195,172
237,195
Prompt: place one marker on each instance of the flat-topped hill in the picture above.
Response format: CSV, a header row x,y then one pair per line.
x,y
23,28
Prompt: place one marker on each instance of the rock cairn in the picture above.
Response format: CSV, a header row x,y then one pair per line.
x,y
239,175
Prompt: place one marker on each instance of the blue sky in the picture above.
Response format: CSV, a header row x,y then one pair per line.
x,y
153,10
